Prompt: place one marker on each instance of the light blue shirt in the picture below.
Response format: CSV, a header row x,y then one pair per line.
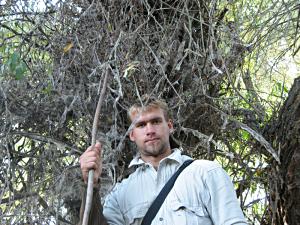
x,y
203,194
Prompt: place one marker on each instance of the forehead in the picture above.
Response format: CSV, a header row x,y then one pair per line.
x,y
146,115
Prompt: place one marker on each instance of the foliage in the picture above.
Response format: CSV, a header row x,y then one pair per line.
x,y
216,62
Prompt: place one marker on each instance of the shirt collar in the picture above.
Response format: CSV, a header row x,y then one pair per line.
x,y
175,156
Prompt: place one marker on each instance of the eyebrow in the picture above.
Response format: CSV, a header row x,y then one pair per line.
x,y
149,120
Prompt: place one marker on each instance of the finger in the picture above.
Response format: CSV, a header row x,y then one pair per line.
x,y
89,163
88,156
90,148
90,166
98,147
91,159
91,151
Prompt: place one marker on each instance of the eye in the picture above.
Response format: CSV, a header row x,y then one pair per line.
x,y
156,121
140,125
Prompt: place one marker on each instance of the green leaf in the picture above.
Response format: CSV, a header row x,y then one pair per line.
x,y
14,61
16,67
20,71
245,135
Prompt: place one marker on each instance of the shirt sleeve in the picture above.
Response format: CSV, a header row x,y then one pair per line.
x,y
112,210
223,206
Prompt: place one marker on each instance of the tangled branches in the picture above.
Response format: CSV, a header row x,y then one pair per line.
x,y
186,52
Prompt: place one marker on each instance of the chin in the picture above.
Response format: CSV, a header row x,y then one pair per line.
x,y
154,151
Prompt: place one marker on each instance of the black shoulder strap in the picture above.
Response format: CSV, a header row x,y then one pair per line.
x,y
155,206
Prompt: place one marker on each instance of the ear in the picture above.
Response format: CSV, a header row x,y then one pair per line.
x,y
171,126
131,136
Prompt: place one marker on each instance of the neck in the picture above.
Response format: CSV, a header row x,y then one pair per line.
x,y
155,159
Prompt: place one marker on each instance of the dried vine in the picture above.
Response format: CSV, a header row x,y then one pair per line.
x,y
198,55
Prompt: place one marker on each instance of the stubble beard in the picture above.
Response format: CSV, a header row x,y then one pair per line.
x,y
155,149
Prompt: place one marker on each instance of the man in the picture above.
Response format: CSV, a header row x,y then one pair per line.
x,y
202,194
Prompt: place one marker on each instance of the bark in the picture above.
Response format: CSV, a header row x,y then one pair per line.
x,y
285,178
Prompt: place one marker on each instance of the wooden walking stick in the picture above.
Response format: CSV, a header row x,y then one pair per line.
x,y
89,194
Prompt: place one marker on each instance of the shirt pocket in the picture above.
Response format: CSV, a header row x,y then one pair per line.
x,y
135,214
191,214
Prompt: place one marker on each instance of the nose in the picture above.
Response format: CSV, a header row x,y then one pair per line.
x,y
150,129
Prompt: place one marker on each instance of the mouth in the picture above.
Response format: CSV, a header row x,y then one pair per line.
x,y
152,140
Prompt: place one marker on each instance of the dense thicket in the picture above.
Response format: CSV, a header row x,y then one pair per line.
x,y
206,58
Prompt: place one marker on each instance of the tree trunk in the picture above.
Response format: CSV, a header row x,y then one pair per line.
x,y
285,178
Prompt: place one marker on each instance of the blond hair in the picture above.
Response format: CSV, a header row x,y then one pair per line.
x,y
148,106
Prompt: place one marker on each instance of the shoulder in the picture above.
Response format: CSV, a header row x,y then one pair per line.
x,y
209,172
206,164
203,169
126,184
206,170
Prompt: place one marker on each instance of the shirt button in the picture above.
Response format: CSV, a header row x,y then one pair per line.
x,y
161,219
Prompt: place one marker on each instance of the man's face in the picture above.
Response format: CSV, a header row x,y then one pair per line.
x,y
151,133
